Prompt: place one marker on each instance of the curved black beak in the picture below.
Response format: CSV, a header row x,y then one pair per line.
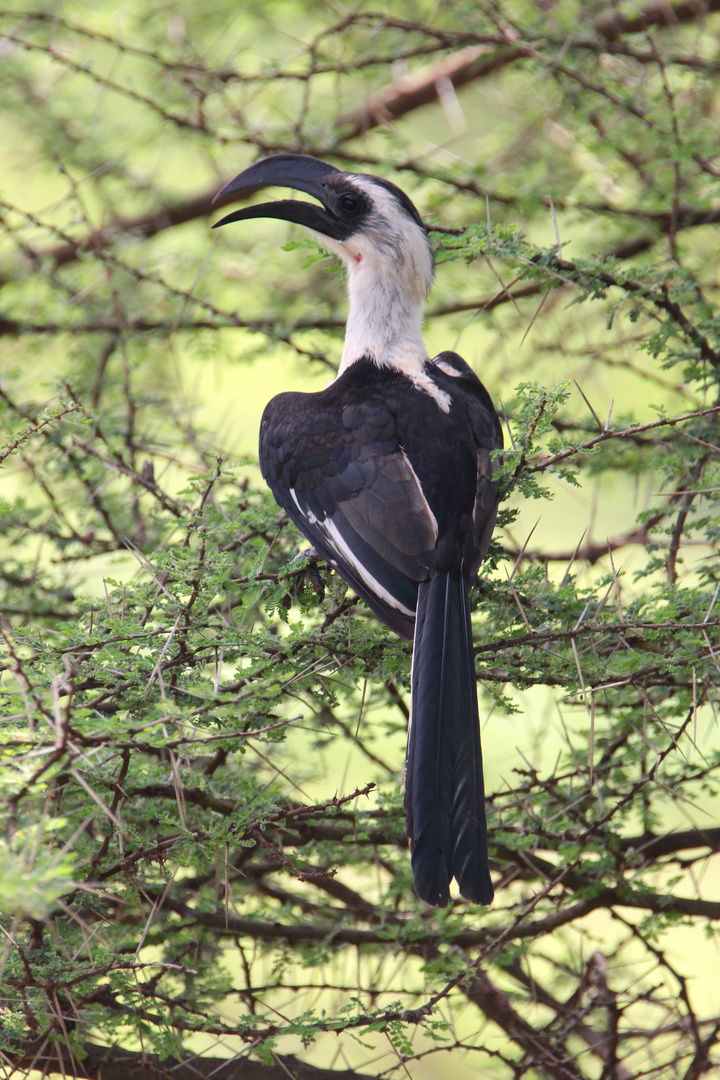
x,y
296,171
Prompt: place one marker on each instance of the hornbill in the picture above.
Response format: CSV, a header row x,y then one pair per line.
x,y
389,473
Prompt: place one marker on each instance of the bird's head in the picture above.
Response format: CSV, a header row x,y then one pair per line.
x,y
370,223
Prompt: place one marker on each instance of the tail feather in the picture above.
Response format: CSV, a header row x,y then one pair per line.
x,y
444,792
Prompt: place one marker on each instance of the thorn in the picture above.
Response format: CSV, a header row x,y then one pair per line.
x,y
522,550
573,558
595,415
616,582
589,705
516,598
507,425
538,309
557,231
712,603
503,286
583,613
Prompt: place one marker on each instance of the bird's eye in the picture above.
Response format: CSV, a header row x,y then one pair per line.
x,y
348,203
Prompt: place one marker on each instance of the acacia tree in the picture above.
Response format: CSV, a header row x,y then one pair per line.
x,y
204,863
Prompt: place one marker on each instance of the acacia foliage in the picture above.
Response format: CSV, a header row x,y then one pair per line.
x,y
183,891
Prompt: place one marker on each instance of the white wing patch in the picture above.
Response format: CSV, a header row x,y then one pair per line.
x,y
447,368
340,545
305,513
427,505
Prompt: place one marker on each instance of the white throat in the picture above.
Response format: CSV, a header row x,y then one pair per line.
x,y
385,317
384,322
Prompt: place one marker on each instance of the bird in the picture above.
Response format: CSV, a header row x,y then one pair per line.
x,y
389,472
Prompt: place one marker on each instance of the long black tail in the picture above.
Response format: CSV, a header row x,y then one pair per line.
x,y
444,793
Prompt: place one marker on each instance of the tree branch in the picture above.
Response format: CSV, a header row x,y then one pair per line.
x,y
613,24
115,1063
413,91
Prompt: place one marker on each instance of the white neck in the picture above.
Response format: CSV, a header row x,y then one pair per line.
x,y
384,317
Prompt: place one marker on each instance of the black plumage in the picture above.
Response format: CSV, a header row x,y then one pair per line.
x,y
389,473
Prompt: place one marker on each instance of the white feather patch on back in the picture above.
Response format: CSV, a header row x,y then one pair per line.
x,y
447,368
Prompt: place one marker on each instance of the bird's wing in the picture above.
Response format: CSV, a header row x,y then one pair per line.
x,y
344,479
485,507
456,378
